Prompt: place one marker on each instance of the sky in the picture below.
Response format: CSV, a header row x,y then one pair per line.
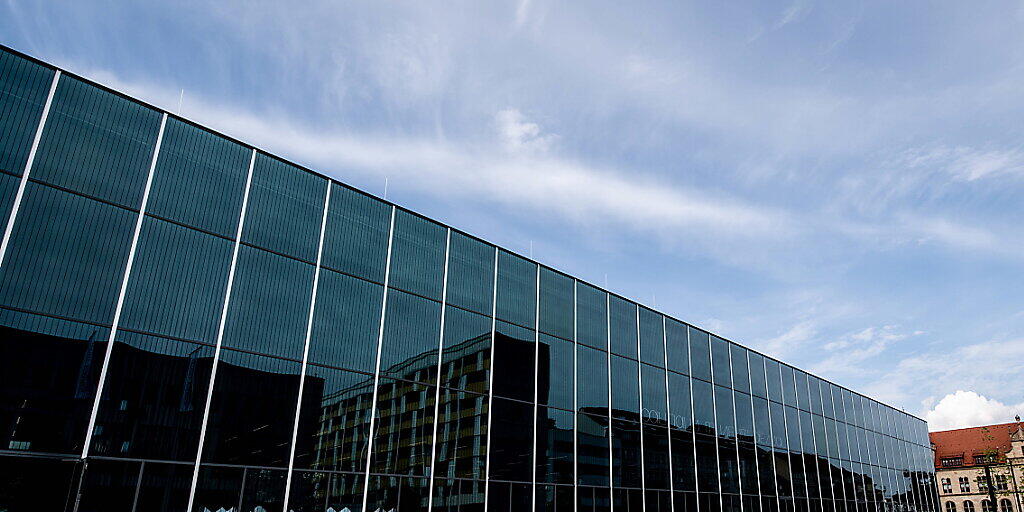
x,y
836,184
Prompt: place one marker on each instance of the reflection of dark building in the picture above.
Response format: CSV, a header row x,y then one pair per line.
x,y
255,336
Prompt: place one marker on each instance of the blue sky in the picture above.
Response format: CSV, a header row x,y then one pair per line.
x,y
836,184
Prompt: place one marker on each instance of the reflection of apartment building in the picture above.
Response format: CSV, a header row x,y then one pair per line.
x,y
980,469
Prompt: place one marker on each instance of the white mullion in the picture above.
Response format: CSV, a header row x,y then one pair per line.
x,y
124,287
693,431
668,417
640,400
220,329
753,417
305,348
735,425
714,419
536,377
437,390
9,229
376,371
611,444
575,400
771,435
490,384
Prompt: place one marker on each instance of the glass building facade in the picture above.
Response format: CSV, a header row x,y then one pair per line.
x,y
191,324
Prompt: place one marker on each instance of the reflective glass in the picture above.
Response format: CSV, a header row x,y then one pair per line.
x,y
592,449
346,322
66,256
677,346
97,143
653,401
511,456
461,435
592,386
514,362
199,179
744,417
703,407
356,235
517,289
720,361
24,86
403,435
622,322
626,455
466,353
269,305
556,304
724,412
334,420
700,354
656,455
555,384
652,338
772,372
418,255
679,402
625,388
397,493
286,206
758,380
554,446
412,333
314,491
740,370
470,274
591,316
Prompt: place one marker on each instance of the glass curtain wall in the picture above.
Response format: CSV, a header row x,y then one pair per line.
x,y
192,324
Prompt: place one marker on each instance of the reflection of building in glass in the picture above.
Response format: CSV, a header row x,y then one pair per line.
x,y
189,323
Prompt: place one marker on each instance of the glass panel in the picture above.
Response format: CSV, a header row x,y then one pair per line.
x,y
592,391
286,205
50,371
417,255
511,455
758,382
470,274
346,322
412,330
623,327
626,454
625,388
555,372
703,407
700,354
398,494
771,367
656,456
803,401
652,338
744,417
677,346
403,435
740,371
707,464
517,289
592,499
356,236
683,469
66,255
164,487
591,316
199,179
269,305
461,435
514,357
23,89
153,402
458,496
788,386
762,422
178,282
592,451
108,485
654,401
252,411
97,143
554,498
316,492
467,350
720,361
679,401
556,303
724,413
37,483
555,446
334,420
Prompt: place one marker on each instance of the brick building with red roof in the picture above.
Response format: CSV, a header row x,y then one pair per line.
x,y
980,469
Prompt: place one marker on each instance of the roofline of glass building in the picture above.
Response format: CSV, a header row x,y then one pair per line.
x,y
413,212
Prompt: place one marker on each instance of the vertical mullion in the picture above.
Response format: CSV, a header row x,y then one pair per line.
x,y
693,431
220,329
376,371
575,401
437,390
735,426
28,168
305,347
750,386
668,418
640,391
124,288
490,384
611,442
771,437
536,377
714,415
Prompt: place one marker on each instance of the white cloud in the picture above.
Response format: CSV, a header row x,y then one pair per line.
x,y
969,409
519,135
966,163
849,353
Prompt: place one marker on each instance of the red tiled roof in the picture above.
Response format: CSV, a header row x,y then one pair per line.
x,y
970,441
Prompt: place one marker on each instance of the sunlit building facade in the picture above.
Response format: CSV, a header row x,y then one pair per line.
x,y
189,324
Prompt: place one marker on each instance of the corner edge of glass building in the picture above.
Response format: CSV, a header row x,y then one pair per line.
x,y
192,324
